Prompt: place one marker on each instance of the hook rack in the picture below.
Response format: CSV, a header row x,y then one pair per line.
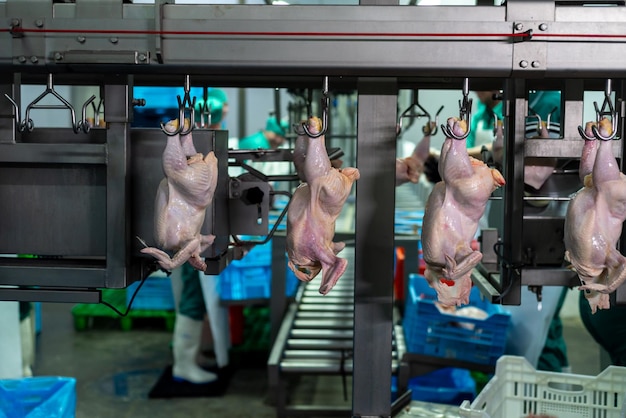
x,y
27,123
465,113
428,130
601,113
325,105
183,105
551,127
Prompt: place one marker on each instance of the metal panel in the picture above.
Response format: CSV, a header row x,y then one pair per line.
x,y
52,272
50,209
264,39
50,295
360,41
373,270
54,154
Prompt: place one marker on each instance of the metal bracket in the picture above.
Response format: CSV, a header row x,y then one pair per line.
x,y
529,55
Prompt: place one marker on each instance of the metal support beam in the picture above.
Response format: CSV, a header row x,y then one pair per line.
x,y
116,114
373,290
515,105
51,295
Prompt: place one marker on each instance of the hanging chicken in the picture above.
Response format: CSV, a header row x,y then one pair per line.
x,y
451,218
313,210
594,218
181,202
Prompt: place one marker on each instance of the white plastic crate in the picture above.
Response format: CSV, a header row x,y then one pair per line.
x,y
518,390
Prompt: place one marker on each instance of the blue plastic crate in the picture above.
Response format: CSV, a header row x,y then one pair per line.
x,y
155,294
449,386
35,397
431,332
251,282
258,256
408,222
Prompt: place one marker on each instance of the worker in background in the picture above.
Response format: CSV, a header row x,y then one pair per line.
x,y
272,137
189,296
606,327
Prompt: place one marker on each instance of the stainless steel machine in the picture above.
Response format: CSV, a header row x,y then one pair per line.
x,y
79,198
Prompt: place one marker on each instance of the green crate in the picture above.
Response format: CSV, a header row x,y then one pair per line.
x,y
85,314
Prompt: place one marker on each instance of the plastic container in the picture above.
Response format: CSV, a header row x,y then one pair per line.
x,y
450,386
429,331
518,390
155,294
35,397
251,277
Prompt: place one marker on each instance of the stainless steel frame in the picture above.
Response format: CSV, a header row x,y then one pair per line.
x,y
117,45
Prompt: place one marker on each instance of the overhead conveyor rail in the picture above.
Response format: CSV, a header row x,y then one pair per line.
x,y
316,338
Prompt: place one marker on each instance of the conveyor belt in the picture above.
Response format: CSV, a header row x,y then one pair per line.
x,y
316,338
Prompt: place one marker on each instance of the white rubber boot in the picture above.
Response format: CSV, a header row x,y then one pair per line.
x,y
187,336
28,349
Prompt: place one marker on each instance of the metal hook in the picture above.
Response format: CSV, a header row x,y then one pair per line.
x,y
28,124
18,123
83,123
582,133
98,110
603,113
465,113
433,127
428,129
418,115
325,105
205,109
185,103
549,126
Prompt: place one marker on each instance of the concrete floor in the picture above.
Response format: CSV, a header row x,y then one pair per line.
x,y
116,369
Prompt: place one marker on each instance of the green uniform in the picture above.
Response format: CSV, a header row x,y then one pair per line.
x,y
482,120
191,297
607,327
254,141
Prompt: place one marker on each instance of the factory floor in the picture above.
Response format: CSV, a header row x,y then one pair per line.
x,y
116,369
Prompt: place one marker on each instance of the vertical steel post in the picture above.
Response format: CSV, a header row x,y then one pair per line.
x,y
515,96
373,288
117,116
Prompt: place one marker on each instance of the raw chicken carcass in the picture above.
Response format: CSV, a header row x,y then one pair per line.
x,y
181,202
411,168
594,218
451,218
313,210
